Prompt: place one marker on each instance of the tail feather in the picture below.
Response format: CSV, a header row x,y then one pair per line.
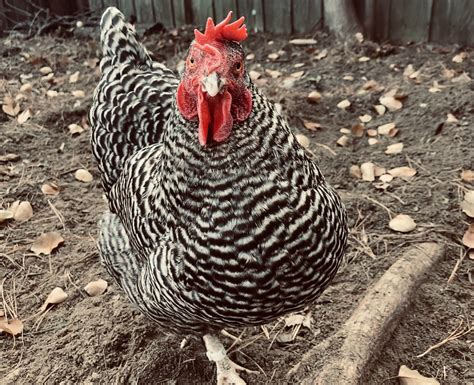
x,y
119,40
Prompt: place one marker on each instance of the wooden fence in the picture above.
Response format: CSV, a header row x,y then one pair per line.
x,y
442,21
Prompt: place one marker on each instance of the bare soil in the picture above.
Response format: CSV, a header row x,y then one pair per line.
x,y
104,340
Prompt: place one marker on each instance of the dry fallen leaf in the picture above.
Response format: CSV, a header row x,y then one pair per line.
x,y
46,243
56,296
409,70
365,118
391,103
372,132
343,141
303,140
26,88
380,109
75,129
22,211
83,175
78,93
313,126
297,75
467,205
74,77
254,75
402,223
24,116
407,376
372,141
10,107
386,178
385,129
5,215
322,54
52,93
358,130
363,59
459,58
395,148
451,119
379,170
468,238
50,189
404,172
467,175
9,157
354,171
95,288
368,171
273,56
45,70
314,97
273,73
303,41
13,327
343,104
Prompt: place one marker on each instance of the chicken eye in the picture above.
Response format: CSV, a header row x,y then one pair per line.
x,y
238,68
191,60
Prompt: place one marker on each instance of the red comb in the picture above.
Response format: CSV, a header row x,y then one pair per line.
x,y
236,31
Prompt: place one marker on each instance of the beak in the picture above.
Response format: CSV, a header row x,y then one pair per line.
x,y
212,84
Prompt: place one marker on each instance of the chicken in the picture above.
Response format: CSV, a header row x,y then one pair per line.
x,y
217,217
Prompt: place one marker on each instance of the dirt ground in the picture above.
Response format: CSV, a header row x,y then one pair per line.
x,y
104,340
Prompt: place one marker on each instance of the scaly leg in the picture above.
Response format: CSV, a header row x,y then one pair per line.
x,y
226,369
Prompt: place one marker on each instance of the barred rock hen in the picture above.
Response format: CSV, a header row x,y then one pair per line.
x,y
217,216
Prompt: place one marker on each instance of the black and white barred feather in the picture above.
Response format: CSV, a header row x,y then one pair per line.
x,y
206,237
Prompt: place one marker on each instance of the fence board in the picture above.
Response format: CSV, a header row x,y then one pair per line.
x,y
410,20
277,16
109,3
202,9
3,18
164,12
179,12
222,8
453,22
253,12
144,9
127,7
382,19
307,14
96,5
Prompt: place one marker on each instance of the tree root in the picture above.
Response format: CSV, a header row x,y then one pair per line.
x,y
370,326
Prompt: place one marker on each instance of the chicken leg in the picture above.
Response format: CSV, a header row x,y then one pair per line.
x,y
226,369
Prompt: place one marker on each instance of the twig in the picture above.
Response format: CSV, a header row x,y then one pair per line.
x,y
390,212
456,266
457,333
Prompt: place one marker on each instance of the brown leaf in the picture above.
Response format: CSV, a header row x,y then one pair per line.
x,y
385,129
74,77
365,118
322,54
386,178
78,93
368,171
459,58
95,288
371,132
75,129
313,126
468,238
343,141
404,172
22,211
26,88
45,70
10,107
50,189
395,148
451,119
407,376
303,41
5,215
297,75
391,103
354,171
358,130
314,97
24,116
13,327
380,109
467,205
343,104
372,141
402,223
46,243
467,175
56,296
83,175
254,75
